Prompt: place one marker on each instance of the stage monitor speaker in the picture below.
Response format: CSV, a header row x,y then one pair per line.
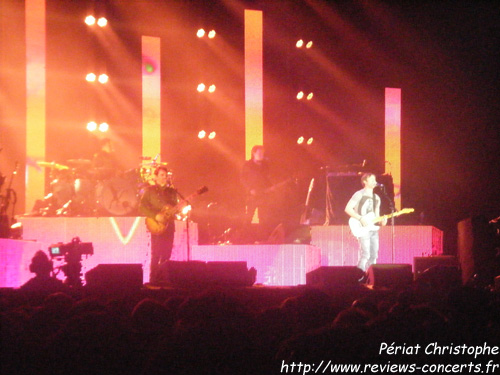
x,y
334,276
198,273
115,276
420,264
230,273
440,277
183,273
392,276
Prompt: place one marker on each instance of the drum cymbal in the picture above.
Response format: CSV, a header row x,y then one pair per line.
x,y
79,162
48,164
155,163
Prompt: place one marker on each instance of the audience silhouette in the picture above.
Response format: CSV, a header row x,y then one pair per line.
x,y
232,330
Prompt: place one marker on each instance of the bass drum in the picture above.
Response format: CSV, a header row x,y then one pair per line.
x,y
62,191
119,196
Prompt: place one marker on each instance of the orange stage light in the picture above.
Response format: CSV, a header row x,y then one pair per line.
x,y
254,134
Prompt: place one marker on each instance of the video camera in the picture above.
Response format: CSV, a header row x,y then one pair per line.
x,y
74,248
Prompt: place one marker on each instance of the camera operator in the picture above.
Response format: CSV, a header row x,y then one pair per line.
x,y
41,266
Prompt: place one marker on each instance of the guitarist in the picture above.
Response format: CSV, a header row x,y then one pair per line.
x,y
363,202
255,179
153,201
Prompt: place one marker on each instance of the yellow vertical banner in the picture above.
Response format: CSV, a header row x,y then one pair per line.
x,y
35,14
254,134
393,140
151,96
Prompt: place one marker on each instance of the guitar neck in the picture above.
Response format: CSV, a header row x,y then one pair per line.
x,y
388,216
190,197
394,214
278,185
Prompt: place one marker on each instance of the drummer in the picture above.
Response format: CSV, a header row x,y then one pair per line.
x,y
104,162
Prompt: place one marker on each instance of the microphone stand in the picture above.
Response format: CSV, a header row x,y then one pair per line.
x,y
393,209
188,244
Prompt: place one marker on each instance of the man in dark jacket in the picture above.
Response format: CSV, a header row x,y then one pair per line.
x,y
157,204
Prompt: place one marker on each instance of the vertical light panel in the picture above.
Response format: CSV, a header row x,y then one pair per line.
x,y
393,140
253,81
35,99
151,96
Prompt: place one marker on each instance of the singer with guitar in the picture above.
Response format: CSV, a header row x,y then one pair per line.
x,y
363,204
154,204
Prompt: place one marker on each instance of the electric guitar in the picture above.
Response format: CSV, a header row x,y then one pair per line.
x,y
358,230
168,212
262,195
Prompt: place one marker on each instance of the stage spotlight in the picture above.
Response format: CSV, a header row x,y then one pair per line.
x,y
300,95
102,22
202,134
299,43
186,209
92,126
103,127
310,96
211,135
310,141
200,33
103,78
201,87
300,140
16,231
211,88
91,77
211,34
183,215
309,44
149,67
90,20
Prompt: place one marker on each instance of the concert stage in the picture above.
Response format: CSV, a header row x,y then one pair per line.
x,y
124,240
116,240
276,265
287,264
340,248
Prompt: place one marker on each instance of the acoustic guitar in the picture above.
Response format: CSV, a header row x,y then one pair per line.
x,y
168,212
358,230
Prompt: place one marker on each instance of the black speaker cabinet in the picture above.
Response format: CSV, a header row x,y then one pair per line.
x,y
184,274
420,264
198,273
115,276
392,276
478,241
334,276
229,273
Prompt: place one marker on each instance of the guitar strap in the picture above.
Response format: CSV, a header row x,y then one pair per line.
x,y
375,202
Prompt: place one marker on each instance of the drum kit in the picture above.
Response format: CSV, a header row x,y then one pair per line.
x,y
79,189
